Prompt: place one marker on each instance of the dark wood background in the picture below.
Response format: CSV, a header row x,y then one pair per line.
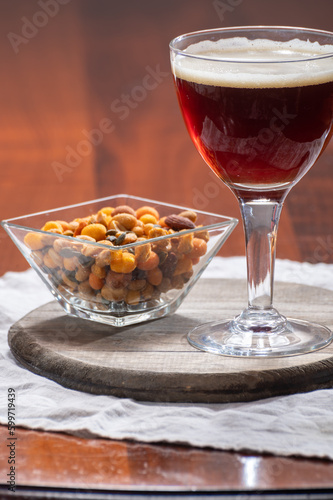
x,y
65,71
59,80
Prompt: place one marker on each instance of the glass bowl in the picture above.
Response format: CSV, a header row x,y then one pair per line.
x,y
116,267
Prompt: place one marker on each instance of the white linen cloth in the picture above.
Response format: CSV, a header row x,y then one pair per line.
x,y
300,424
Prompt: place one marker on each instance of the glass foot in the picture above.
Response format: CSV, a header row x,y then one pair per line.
x,y
291,338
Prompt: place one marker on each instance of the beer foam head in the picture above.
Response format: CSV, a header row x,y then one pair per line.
x,y
240,62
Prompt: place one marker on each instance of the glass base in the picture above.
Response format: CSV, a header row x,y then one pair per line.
x,y
232,338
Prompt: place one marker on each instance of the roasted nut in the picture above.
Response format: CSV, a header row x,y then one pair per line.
x,y
156,232
82,273
133,297
79,227
113,294
100,272
177,222
148,292
203,235
33,241
130,237
142,252
185,244
67,281
199,248
155,276
165,285
177,282
102,218
103,258
62,244
85,290
150,263
110,271
70,263
118,280
85,237
95,282
123,209
184,265
128,221
137,284
189,214
169,265
49,262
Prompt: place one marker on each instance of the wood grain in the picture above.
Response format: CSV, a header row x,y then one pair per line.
x,y
56,461
64,80
154,362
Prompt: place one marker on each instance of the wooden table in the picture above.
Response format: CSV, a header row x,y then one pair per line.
x,y
78,69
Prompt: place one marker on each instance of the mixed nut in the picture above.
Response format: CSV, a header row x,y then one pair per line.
x,y
139,255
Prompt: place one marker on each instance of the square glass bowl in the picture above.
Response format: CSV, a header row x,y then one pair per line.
x,y
131,273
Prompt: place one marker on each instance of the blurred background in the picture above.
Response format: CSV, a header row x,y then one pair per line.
x,y
88,110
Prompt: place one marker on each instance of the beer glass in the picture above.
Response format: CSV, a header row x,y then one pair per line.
x,y
258,105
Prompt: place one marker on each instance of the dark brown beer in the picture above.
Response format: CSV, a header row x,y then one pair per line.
x,y
258,139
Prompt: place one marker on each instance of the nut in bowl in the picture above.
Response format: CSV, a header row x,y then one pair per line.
x,y
120,260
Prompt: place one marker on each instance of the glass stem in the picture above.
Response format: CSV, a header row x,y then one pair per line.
x,y
260,220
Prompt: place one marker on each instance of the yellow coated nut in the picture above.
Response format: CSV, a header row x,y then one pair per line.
x,y
147,210
148,219
138,230
96,231
107,210
123,263
147,228
33,241
64,225
52,225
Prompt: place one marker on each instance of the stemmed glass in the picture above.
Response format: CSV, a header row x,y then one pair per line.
x,y
258,105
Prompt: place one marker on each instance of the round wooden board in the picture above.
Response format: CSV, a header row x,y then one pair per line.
x,y
153,361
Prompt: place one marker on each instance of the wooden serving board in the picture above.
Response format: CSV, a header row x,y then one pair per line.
x,y
153,361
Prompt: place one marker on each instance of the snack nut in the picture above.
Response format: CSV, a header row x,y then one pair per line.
x,y
138,255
